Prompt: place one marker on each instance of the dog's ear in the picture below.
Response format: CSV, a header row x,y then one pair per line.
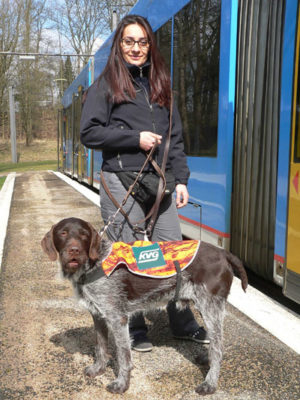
x,y
48,245
95,244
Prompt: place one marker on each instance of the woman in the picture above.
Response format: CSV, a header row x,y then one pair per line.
x,y
126,111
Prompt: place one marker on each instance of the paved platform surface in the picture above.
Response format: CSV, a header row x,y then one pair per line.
x,y
46,340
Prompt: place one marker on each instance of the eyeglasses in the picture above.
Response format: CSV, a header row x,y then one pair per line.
x,y
129,42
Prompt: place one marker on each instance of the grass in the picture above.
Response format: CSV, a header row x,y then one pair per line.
x,y
38,150
28,166
40,155
2,180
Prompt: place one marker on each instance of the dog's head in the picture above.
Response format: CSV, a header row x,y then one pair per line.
x,y
75,241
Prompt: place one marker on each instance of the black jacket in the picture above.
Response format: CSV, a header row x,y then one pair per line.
x,y
115,128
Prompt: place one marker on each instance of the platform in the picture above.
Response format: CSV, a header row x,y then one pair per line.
x,y
46,340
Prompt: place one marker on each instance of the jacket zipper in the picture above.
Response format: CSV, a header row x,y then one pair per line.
x,y
148,101
151,111
120,161
119,156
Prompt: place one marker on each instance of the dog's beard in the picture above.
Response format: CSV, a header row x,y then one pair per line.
x,y
70,265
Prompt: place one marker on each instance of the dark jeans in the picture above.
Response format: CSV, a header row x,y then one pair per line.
x,y
181,322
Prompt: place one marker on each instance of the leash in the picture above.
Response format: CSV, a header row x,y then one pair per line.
x,y
160,191
119,207
178,281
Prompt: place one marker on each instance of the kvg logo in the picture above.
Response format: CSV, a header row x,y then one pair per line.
x,y
148,256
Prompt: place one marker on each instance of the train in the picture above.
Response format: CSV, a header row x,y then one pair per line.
x,y
234,68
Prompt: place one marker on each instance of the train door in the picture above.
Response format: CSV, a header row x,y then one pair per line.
x,y
60,153
80,153
64,138
76,141
256,133
69,141
292,272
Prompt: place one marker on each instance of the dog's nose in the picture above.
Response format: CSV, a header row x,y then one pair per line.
x,y
73,250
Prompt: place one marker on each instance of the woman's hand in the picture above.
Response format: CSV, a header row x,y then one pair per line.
x,y
182,195
148,139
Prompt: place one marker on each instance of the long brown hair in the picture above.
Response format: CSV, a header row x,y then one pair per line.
x,y
118,77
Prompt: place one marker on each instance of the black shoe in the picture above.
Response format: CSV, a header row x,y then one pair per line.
x,y
140,342
199,336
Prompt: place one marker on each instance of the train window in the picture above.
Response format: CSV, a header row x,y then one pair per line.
x,y
196,74
163,39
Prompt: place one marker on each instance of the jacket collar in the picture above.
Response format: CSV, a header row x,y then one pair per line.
x,y
137,71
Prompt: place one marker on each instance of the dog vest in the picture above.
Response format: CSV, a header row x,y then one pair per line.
x,y
151,259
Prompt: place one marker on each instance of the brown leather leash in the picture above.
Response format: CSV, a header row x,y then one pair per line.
x,y
152,214
130,189
162,182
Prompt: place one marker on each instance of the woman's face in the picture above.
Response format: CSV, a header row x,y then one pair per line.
x,y
135,45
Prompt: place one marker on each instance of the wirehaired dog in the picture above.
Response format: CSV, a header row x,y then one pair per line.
x,y
112,300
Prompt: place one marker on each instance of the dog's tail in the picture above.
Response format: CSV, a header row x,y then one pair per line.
x,y
238,268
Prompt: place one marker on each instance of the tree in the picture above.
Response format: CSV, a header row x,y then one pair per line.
x,y
83,22
68,73
31,37
10,19
23,25
35,78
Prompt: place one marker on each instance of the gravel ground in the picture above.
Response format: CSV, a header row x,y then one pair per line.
x,y
46,340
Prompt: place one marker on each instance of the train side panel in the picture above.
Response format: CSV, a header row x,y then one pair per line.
x,y
287,87
292,271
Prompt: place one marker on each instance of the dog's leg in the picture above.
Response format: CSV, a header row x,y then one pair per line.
x,y
212,309
120,330
101,354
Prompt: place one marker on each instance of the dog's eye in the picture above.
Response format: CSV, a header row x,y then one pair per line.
x,y
63,233
83,234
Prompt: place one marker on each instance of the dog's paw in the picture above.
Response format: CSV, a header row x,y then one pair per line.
x,y
117,387
94,370
205,388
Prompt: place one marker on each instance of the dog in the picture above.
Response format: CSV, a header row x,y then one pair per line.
x,y
112,300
